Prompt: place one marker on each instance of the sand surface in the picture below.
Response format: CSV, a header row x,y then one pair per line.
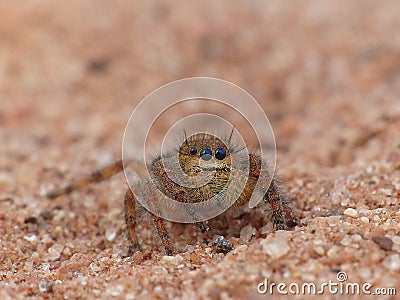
x,y
71,72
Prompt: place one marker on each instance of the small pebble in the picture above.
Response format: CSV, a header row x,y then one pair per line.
x,y
195,258
319,250
387,192
115,291
67,251
28,266
383,242
392,262
365,273
350,212
345,240
345,202
222,244
55,265
240,249
46,267
45,286
130,296
5,179
247,232
172,260
333,221
356,238
55,251
94,267
110,234
275,247
333,251
267,228
208,250
30,237
73,273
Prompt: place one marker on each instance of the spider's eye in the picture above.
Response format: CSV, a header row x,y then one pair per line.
x,y
220,153
206,154
193,151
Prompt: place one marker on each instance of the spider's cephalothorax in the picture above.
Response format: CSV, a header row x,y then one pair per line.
x,y
198,153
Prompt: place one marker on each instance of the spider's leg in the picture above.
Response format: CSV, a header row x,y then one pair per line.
x,y
290,219
163,233
130,219
280,206
282,211
96,176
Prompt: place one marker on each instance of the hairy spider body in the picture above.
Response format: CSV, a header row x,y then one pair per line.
x,y
199,153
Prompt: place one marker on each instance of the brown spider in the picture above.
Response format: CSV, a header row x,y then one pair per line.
x,y
198,153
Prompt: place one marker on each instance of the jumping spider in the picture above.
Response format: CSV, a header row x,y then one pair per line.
x,y
197,154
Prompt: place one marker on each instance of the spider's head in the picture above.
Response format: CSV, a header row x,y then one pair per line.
x,y
204,152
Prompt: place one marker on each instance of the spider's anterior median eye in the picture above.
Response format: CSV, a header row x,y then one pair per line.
x,y
193,151
206,154
220,153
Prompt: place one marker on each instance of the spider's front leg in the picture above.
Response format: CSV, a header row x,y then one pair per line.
x,y
130,220
282,210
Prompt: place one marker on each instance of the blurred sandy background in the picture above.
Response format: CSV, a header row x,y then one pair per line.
x,y
328,76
